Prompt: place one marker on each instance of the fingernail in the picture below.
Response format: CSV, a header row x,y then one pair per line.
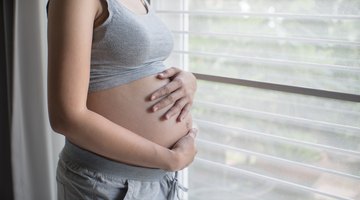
x,y
161,74
192,134
155,108
152,97
167,116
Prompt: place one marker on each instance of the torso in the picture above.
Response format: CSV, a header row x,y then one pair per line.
x,y
128,105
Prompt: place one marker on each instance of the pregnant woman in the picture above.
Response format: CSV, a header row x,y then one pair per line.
x,y
123,113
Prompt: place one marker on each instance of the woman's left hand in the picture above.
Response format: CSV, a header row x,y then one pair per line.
x,y
179,92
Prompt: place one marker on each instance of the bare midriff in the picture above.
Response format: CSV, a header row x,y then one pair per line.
x,y
129,106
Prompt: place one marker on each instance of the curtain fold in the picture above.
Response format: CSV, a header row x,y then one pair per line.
x,y
34,146
6,31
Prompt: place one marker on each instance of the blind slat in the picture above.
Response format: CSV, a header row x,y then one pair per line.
x,y
282,88
280,116
270,37
320,169
271,60
259,14
286,183
280,138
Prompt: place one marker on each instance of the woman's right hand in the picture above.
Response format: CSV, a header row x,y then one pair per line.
x,y
184,151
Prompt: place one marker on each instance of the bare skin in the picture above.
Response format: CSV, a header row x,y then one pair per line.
x,y
82,119
130,106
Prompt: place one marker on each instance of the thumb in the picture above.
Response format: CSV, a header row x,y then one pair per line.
x,y
193,133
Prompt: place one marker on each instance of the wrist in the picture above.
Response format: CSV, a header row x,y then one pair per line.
x,y
172,161
168,159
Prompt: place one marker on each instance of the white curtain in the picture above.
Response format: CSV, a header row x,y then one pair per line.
x,y
35,147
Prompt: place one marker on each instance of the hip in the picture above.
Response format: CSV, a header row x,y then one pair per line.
x,y
84,175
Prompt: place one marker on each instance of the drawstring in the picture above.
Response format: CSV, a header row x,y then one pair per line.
x,y
174,188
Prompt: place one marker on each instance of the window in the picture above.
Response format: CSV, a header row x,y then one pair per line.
x,y
278,103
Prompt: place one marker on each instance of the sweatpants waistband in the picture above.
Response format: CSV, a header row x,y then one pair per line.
x,y
105,166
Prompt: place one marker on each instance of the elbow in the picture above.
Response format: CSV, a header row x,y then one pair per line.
x,y
62,122
64,118
58,123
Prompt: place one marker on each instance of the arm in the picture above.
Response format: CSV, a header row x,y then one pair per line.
x,y
180,91
70,26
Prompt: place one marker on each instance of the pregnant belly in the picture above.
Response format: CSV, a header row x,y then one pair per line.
x,y
129,106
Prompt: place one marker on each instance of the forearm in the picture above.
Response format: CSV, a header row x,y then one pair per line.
x,y
95,133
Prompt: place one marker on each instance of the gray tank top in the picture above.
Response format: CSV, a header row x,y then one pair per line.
x,y
128,47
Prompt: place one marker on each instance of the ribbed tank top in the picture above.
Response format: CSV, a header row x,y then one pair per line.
x,y
128,47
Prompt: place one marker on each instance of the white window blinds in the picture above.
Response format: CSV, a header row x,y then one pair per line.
x,y
278,103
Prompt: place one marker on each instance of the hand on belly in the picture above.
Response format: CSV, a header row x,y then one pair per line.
x,y
130,107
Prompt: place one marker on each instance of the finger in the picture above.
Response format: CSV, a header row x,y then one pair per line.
x,y
193,132
167,89
176,109
184,112
168,73
170,99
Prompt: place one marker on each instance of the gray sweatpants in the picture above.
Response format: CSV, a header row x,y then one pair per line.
x,y
84,175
